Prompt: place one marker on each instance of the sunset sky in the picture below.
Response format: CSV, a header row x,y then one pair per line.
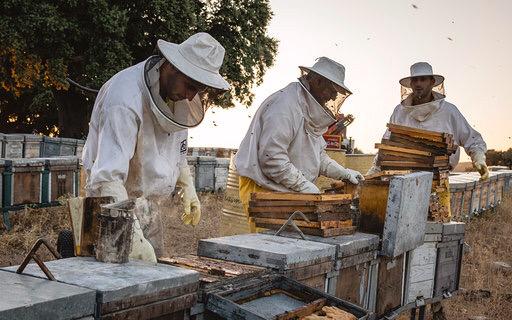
x,y
469,42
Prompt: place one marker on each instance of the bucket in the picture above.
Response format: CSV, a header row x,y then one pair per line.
x,y
115,232
233,221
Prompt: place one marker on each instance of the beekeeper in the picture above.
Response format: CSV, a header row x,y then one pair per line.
x,y
424,106
137,141
283,149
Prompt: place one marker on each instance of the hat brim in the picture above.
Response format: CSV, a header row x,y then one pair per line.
x,y
406,82
341,84
173,55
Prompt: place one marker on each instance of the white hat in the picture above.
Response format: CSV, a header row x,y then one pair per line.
x,y
199,57
420,69
329,69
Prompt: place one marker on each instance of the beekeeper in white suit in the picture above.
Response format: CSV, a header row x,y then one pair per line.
x,y
283,149
137,140
424,106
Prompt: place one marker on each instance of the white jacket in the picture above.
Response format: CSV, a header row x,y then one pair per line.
x,y
126,144
283,149
441,116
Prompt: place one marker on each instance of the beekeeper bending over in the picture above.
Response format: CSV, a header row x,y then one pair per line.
x,y
137,142
283,149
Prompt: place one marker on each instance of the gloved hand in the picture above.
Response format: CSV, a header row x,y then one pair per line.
x,y
480,165
114,189
351,175
309,187
191,204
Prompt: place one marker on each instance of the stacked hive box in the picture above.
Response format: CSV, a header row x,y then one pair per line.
x,y
421,150
329,214
305,261
134,290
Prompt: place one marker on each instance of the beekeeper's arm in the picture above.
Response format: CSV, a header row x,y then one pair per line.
x,y
332,169
277,133
472,142
117,138
191,204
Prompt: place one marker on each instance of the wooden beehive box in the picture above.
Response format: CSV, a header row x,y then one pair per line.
x,y
421,266
305,261
397,210
390,283
273,297
64,177
27,181
329,214
355,270
133,290
449,259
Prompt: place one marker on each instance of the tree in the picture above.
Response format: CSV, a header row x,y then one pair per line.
x,y
44,42
499,158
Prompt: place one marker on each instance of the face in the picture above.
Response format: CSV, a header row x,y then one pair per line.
x,y
422,86
174,85
324,90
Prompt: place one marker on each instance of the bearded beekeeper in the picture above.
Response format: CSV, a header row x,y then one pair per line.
x,y
137,142
424,107
283,149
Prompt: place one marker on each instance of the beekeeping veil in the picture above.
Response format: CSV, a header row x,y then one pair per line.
x,y
199,58
420,69
335,73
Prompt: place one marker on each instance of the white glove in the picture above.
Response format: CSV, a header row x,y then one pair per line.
x,y
309,187
338,172
114,189
191,204
480,165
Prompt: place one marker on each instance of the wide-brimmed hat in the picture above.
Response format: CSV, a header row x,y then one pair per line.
x,y
421,69
199,57
330,70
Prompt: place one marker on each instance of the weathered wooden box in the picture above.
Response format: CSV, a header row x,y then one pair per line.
x,y
272,297
27,181
32,146
396,209
12,146
63,177
51,147
390,284
134,290
355,270
27,297
449,259
305,261
213,272
67,147
421,265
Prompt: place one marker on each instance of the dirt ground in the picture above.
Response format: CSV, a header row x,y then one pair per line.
x,y
486,287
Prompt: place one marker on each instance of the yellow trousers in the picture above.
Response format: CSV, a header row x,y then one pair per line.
x,y
246,187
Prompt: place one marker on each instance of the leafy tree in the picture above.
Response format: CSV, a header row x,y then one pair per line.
x,y
44,42
499,158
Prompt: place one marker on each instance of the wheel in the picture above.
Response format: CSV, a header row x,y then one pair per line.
x,y
66,244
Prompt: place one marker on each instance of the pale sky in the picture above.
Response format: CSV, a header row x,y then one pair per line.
x,y
377,41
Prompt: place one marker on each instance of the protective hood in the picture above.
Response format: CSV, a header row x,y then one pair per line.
x,y
422,112
317,118
171,116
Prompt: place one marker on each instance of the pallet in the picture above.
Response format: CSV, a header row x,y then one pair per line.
x,y
303,223
312,216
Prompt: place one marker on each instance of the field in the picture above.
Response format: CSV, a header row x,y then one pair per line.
x,y
486,281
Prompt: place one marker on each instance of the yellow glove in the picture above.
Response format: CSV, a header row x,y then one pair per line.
x,y
480,165
191,204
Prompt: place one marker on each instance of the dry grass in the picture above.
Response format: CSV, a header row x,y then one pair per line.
x,y
32,223
487,291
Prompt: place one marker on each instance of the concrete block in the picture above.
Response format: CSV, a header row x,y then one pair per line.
x,y
434,227
406,213
27,297
115,281
266,250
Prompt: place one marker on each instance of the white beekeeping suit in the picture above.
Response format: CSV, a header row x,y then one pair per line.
x,y
137,142
438,115
283,149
